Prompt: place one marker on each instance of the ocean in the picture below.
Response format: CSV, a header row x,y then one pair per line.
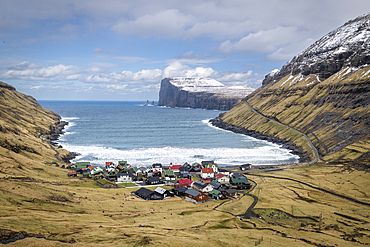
x,y
102,131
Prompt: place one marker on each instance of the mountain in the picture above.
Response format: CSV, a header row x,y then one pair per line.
x,y
26,130
323,92
202,93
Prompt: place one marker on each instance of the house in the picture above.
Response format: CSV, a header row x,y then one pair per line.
x,y
124,178
216,185
224,171
157,167
195,196
183,183
196,167
80,165
240,181
212,165
174,168
207,173
222,178
86,175
200,186
216,194
72,174
205,163
152,180
163,192
106,184
147,194
184,172
245,167
232,193
179,191
169,176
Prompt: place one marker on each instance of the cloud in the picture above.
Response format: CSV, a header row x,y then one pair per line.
x,y
170,23
29,71
260,42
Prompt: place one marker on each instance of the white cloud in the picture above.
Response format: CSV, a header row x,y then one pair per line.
x,y
260,42
170,23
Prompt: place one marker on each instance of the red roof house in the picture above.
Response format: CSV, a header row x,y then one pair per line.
x,y
207,173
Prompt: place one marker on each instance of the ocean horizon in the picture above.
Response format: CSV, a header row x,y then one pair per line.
x,y
102,131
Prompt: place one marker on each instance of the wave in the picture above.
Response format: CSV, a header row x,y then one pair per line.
x,y
266,155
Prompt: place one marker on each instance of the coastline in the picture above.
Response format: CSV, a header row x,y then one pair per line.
x,y
217,122
53,135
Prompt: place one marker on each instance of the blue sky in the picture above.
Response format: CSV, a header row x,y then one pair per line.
x,y
121,50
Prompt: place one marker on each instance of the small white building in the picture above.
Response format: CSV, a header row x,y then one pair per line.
x,y
124,178
207,173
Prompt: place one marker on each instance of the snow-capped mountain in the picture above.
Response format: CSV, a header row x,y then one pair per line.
x,y
346,46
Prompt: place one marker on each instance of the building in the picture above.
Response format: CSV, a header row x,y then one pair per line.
x,y
240,181
163,192
184,172
222,178
147,194
245,167
106,184
195,196
152,180
157,167
124,178
207,173
202,187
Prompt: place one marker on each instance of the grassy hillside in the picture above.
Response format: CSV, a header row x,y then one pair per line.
x,y
24,129
334,113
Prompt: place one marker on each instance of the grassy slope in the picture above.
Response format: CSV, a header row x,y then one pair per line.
x,y
335,111
39,198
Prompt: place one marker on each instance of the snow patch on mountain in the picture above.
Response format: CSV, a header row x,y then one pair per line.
x,y
210,86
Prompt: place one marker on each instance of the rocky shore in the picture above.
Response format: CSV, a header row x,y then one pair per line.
x,y
54,134
217,122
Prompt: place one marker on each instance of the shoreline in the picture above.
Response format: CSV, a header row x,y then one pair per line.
x,y
55,132
217,122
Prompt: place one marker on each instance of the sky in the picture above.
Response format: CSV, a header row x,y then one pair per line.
x,y
122,49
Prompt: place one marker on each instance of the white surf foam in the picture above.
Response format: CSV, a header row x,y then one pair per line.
x,y
267,155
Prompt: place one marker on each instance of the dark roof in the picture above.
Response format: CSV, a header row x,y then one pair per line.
x,y
153,179
200,185
207,162
144,192
215,184
123,174
157,165
180,189
231,191
222,170
192,192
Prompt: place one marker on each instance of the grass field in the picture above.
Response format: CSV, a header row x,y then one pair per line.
x,y
70,210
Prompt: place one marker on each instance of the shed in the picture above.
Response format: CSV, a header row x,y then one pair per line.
x,y
245,167
72,174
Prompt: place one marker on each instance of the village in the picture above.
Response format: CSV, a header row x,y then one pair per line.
x,y
197,183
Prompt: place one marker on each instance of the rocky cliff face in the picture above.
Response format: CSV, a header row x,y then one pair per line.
x,y
323,92
199,93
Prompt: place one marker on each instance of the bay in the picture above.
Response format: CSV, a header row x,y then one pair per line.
x,y
104,131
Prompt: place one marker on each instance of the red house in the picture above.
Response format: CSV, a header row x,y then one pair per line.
x,y
183,182
207,173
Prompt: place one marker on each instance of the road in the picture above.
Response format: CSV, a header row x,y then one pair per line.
x,y
303,134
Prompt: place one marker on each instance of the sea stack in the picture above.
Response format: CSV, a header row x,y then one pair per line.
x,y
204,93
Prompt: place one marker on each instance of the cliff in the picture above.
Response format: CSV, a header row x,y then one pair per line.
x,y
323,92
26,130
201,93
